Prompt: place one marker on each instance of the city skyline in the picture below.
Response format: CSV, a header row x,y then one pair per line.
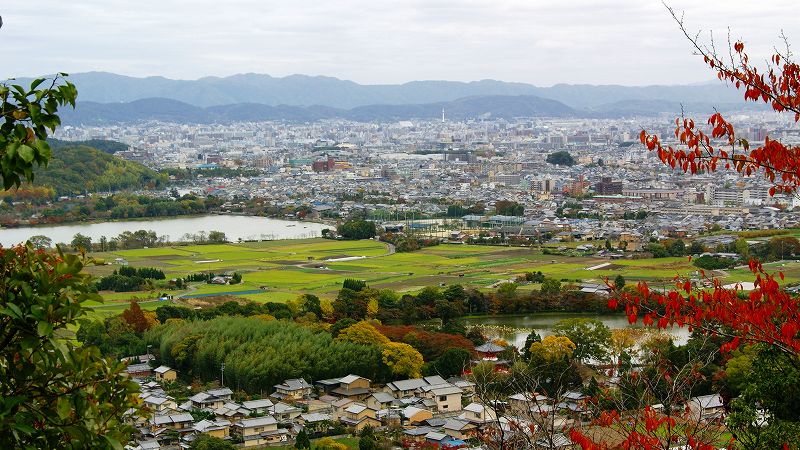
x,y
619,42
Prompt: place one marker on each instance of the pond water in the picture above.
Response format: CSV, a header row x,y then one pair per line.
x,y
516,328
234,227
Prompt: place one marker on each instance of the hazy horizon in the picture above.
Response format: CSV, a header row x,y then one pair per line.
x,y
709,81
543,43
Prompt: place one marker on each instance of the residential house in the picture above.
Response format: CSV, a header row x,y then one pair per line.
x,y
354,387
164,373
414,415
259,431
139,370
292,390
478,414
158,404
232,411
706,407
339,407
216,428
405,388
146,445
212,399
261,406
443,441
415,436
315,422
179,422
446,396
467,387
460,429
529,405
380,400
555,442
358,416
410,387
286,413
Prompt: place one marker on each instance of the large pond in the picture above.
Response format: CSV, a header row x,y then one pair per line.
x,y
234,227
515,329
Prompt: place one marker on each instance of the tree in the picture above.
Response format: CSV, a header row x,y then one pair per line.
x,y
367,439
657,250
591,337
550,286
81,242
783,247
362,333
138,319
28,115
676,248
562,158
40,242
340,325
217,237
311,304
402,359
623,341
452,363
357,229
532,337
552,348
619,282
45,379
509,208
302,441
696,248
742,247
507,291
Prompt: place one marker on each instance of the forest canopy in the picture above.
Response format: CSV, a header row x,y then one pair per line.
x,y
259,354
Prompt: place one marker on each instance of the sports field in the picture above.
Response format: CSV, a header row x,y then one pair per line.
x,y
282,270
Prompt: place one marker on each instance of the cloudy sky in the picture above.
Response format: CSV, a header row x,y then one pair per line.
x,y
543,42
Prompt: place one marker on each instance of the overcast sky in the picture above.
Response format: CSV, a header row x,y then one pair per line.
x,y
543,42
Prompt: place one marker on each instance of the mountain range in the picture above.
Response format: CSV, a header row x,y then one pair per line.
x,y
110,98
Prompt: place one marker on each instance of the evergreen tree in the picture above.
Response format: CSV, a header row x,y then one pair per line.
x,y
302,441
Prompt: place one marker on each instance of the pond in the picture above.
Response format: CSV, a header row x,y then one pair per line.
x,y
516,328
234,227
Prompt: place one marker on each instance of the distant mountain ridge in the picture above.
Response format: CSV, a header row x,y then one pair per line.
x,y
169,110
304,90
478,107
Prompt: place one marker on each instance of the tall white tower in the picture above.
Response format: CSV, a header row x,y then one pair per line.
x,y
442,115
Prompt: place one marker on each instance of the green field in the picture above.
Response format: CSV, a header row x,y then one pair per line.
x,y
282,270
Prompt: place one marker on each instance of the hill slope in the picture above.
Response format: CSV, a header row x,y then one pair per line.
x,y
80,169
104,145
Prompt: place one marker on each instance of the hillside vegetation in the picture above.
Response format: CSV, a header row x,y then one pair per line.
x,y
81,169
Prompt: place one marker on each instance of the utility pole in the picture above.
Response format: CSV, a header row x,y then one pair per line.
x,y
222,373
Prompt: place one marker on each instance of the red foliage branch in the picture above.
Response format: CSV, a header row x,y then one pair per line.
x,y
706,151
768,314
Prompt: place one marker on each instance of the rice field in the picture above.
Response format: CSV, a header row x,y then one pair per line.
x,y
282,270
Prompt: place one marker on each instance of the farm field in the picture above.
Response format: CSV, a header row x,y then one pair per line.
x,y
282,270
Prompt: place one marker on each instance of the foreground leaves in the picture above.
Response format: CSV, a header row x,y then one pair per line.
x,y
54,394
